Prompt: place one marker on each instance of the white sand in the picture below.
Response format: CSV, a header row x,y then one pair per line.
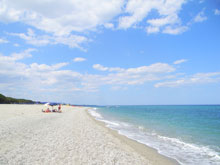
x,y
28,136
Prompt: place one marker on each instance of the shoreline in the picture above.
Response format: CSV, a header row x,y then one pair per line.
x,y
28,136
148,152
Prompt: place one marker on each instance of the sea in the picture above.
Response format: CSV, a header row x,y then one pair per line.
x,y
189,134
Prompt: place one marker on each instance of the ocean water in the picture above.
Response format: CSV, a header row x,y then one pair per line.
x,y
190,134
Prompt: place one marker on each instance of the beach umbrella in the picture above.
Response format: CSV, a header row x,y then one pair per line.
x,y
47,104
52,104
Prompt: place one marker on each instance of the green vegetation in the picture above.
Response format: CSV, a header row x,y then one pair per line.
x,y
10,100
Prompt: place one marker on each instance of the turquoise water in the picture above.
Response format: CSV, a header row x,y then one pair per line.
x,y
189,134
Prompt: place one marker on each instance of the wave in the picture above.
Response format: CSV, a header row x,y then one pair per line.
x,y
94,113
185,153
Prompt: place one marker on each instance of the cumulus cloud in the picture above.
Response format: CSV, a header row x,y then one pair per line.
x,y
11,65
152,29
79,59
66,22
199,78
200,17
169,20
34,77
179,61
175,30
18,56
109,25
168,15
49,78
133,76
63,17
67,17
99,67
154,68
40,79
44,67
42,40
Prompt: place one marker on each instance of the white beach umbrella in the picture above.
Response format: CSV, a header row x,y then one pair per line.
x,y
47,104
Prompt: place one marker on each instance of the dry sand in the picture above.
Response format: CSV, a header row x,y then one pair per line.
x,y
28,136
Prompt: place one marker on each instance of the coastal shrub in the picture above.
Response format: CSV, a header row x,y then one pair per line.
x,y
10,100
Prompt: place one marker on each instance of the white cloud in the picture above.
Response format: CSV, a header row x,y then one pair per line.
x,y
169,83
34,77
199,78
32,38
170,24
152,29
54,78
170,19
99,67
3,41
42,79
138,10
217,12
102,68
154,68
24,54
200,17
109,25
18,56
66,22
41,40
79,59
132,76
179,61
44,67
9,67
66,17
175,30
63,17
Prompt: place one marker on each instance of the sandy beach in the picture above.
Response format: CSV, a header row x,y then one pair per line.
x,y
28,136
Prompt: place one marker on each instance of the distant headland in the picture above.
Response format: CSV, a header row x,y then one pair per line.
x,y
10,100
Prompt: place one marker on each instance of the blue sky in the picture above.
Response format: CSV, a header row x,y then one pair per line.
x,y
111,51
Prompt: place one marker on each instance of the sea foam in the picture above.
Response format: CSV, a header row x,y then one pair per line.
x,y
184,153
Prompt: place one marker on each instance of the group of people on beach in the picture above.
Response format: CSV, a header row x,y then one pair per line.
x,y
53,110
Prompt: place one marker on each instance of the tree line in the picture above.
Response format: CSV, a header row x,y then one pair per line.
x,y
10,100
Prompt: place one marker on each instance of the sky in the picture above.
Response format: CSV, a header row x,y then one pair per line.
x,y
111,52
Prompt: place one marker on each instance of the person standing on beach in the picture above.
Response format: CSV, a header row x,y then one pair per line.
x,y
59,108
